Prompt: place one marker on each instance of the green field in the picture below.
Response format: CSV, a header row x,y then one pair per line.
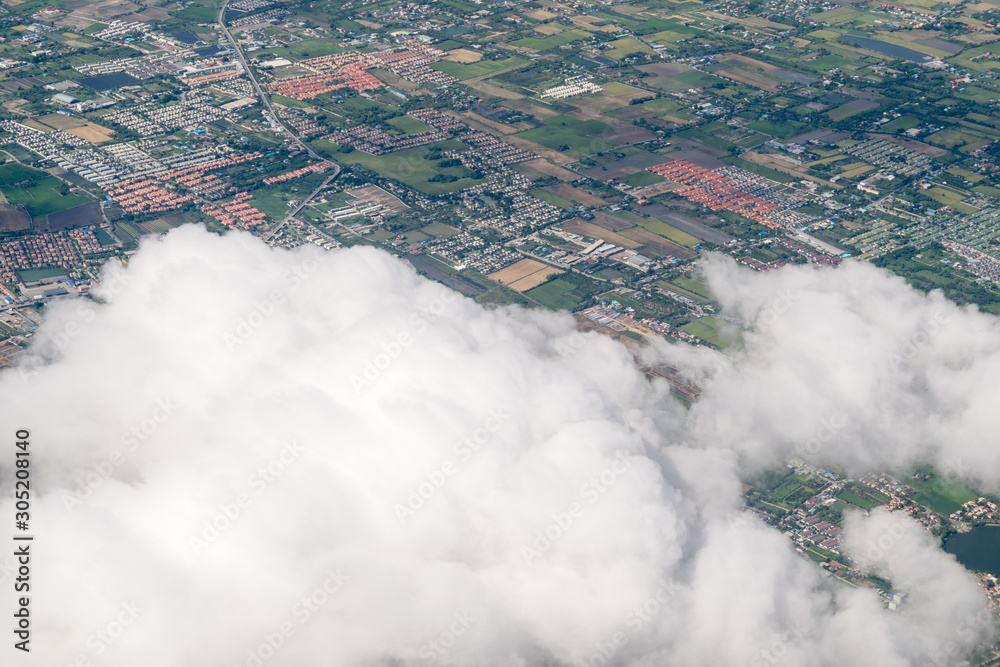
x,y
942,495
904,123
571,136
666,231
307,48
553,199
409,125
856,500
626,46
552,41
693,285
94,27
439,229
12,173
197,14
782,131
556,294
406,166
706,328
643,178
31,275
44,197
473,70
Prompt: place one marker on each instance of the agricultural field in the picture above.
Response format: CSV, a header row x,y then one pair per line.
x,y
572,136
552,41
410,166
941,494
40,193
557,294
482,68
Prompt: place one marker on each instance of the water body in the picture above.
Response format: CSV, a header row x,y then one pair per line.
x,y
888,49
979,549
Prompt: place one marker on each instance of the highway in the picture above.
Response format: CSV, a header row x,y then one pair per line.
x,y
266,101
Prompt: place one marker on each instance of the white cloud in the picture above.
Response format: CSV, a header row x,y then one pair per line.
x,y
237,548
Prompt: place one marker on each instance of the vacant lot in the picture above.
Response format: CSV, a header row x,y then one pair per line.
x,y
575,194
464,56
524,275
92,132
571,136
591,230
13,219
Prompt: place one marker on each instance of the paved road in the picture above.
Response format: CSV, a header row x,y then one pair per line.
x,y
266,101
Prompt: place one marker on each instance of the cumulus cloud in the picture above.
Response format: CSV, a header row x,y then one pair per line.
x,y
245,456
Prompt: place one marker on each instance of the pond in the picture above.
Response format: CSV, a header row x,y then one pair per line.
x,y
979,549
894,50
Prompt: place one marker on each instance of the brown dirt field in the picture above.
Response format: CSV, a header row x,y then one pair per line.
x,y
549,169
759,64
747,20
742,76
93,133
516,271
524,275
464,56
588,22
575,194
539,111
490,89
585,228
535,279
538,149
548,29
651,240
786,168
916,146
31,122
540,15
654,189
611,222
369,24
13,219
376,194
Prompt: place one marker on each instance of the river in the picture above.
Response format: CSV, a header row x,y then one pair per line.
x,y
979,549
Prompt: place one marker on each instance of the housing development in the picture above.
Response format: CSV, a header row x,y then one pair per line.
x,y
576,155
